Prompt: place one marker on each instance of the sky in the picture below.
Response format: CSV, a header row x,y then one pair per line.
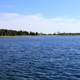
x,y
46,16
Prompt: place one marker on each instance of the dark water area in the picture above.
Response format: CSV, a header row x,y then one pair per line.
x,y
40,58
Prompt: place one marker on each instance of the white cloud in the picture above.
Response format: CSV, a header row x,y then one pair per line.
x,y
38,23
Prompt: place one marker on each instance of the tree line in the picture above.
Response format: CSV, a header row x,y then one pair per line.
x,y
66,34
6,32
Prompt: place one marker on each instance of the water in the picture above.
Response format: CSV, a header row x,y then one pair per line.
x,y
40,58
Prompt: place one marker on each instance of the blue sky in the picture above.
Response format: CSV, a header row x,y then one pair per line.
x,y
57,11
50,8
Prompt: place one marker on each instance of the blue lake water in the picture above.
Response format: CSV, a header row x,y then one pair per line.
x,y
40,58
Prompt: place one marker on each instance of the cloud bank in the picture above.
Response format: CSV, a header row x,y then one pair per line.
x,y
39,23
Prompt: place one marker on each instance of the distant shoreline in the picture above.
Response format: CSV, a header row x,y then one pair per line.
x,y
14,33
36,36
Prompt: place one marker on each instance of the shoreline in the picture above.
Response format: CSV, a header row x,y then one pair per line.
x,y
33,36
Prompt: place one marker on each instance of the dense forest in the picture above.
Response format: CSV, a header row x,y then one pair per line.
x,y
6,32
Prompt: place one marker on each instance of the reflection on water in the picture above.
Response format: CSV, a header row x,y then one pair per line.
x,y
40,58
